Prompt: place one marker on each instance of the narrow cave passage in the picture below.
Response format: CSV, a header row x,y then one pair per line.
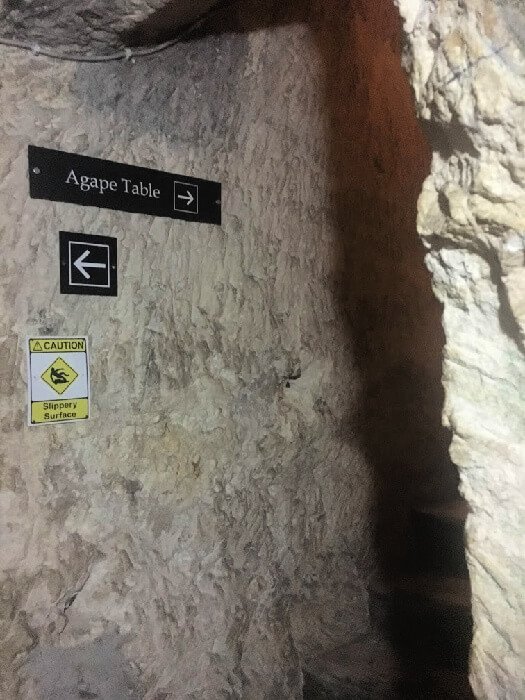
x,y
420,600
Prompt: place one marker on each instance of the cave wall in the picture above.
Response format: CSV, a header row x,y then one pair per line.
x,y
93,27
468,71
379,161
260,389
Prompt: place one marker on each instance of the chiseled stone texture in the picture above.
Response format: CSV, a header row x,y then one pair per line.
x,y
89,26
165,548
259,389
468,72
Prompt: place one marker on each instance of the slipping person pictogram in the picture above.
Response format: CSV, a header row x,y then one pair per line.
x,y
59,375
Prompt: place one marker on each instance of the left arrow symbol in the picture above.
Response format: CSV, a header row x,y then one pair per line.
x,y
81,265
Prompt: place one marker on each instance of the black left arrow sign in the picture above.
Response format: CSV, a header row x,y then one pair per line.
x,y
88,264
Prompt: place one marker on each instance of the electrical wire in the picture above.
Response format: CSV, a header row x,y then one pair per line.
x,y
126,54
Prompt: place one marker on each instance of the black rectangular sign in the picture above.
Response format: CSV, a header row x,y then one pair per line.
x,y
92,182
88,264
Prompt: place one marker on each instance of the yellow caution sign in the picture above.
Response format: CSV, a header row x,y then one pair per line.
x,y
59,411
57,367
57,345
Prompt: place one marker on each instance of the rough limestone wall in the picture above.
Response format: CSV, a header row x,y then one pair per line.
x,y
91,26
161,549
468,72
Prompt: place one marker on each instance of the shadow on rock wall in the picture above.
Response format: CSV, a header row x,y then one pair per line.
x,y
379,160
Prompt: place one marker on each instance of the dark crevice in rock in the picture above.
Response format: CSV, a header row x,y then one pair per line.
x,y
448,139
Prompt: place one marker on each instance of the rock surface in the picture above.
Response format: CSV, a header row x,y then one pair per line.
x,y
260,390
96,27
468,72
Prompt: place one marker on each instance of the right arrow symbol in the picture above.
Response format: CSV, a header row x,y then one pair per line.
x,y
188,197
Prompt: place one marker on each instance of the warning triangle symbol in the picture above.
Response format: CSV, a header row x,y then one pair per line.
x,y
37,346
